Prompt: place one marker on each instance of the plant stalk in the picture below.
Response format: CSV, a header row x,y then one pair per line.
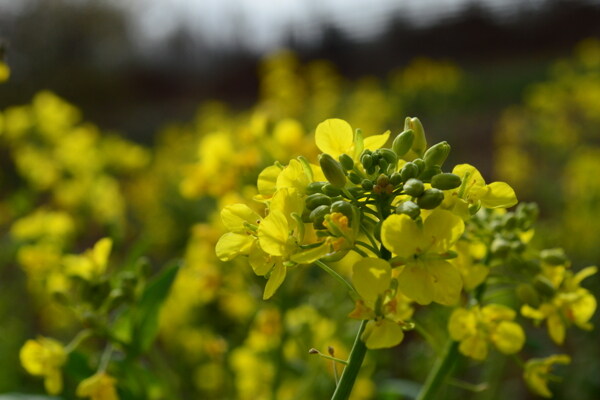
x,y
357,355
440,372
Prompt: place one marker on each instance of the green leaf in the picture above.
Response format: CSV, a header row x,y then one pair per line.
x,y
145,317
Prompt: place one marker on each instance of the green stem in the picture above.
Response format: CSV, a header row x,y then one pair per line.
x,y
440,372
367,246
337,276
357,355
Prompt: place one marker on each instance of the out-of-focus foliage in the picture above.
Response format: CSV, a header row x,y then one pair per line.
x,y
549,147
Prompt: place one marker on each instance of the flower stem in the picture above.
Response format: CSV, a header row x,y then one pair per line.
x,y
440,372
357,355
337,276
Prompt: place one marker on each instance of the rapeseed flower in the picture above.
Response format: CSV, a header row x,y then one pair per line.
x,y
45,357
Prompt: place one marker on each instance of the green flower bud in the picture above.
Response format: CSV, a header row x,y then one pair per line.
x,y
314,187
396,178
383,164
437,154
500,247
318,199
346,161
420,164
367,184
528,295
430,199
409,208
354,177
445,181
388,155
429,173
317,216
419,143
342,207
366,160
383,180
554,256
544,286
331,190
403,142
332,170
414,187
409,170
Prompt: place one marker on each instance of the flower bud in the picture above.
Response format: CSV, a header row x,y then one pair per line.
x,y
382,180
346,161
419,143
314,187
445,181
409,208
437,154
430,199
317,216
354,177
395,178
315,200
554,256
366,160
343,207
430,172
332,170
331,190
403,142
409,170
388,155
420,164
367,184
544,286
414,187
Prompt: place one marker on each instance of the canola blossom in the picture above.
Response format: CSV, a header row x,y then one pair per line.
x,y
421,236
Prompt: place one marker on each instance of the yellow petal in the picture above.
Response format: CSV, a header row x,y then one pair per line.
x,y
401,235
556,328
376,141
371,277
498,195
267,179
497,312
537,372
273,233
474,346
382,334
311,255
441,230
508,337
471,173
445,282
275,280
462,324
334,137
530,312
260,261
230,245
100,254
415,282
582,309
293,176
235,215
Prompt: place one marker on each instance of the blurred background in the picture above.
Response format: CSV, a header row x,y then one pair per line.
x,y
153,86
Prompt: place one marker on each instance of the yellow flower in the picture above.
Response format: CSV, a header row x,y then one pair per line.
x,y
91,264
474,192
537,372
4,72
571,304
387,308
45,357
472,271
426,276
477,327
100,386
335,136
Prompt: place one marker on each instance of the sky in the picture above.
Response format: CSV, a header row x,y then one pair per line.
x,y
262,25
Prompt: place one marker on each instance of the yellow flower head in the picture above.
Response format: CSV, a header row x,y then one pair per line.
x,y
100,386
372,278
426,276
537,373
335,137
474,192
476,327
571,304
45,357
91,264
